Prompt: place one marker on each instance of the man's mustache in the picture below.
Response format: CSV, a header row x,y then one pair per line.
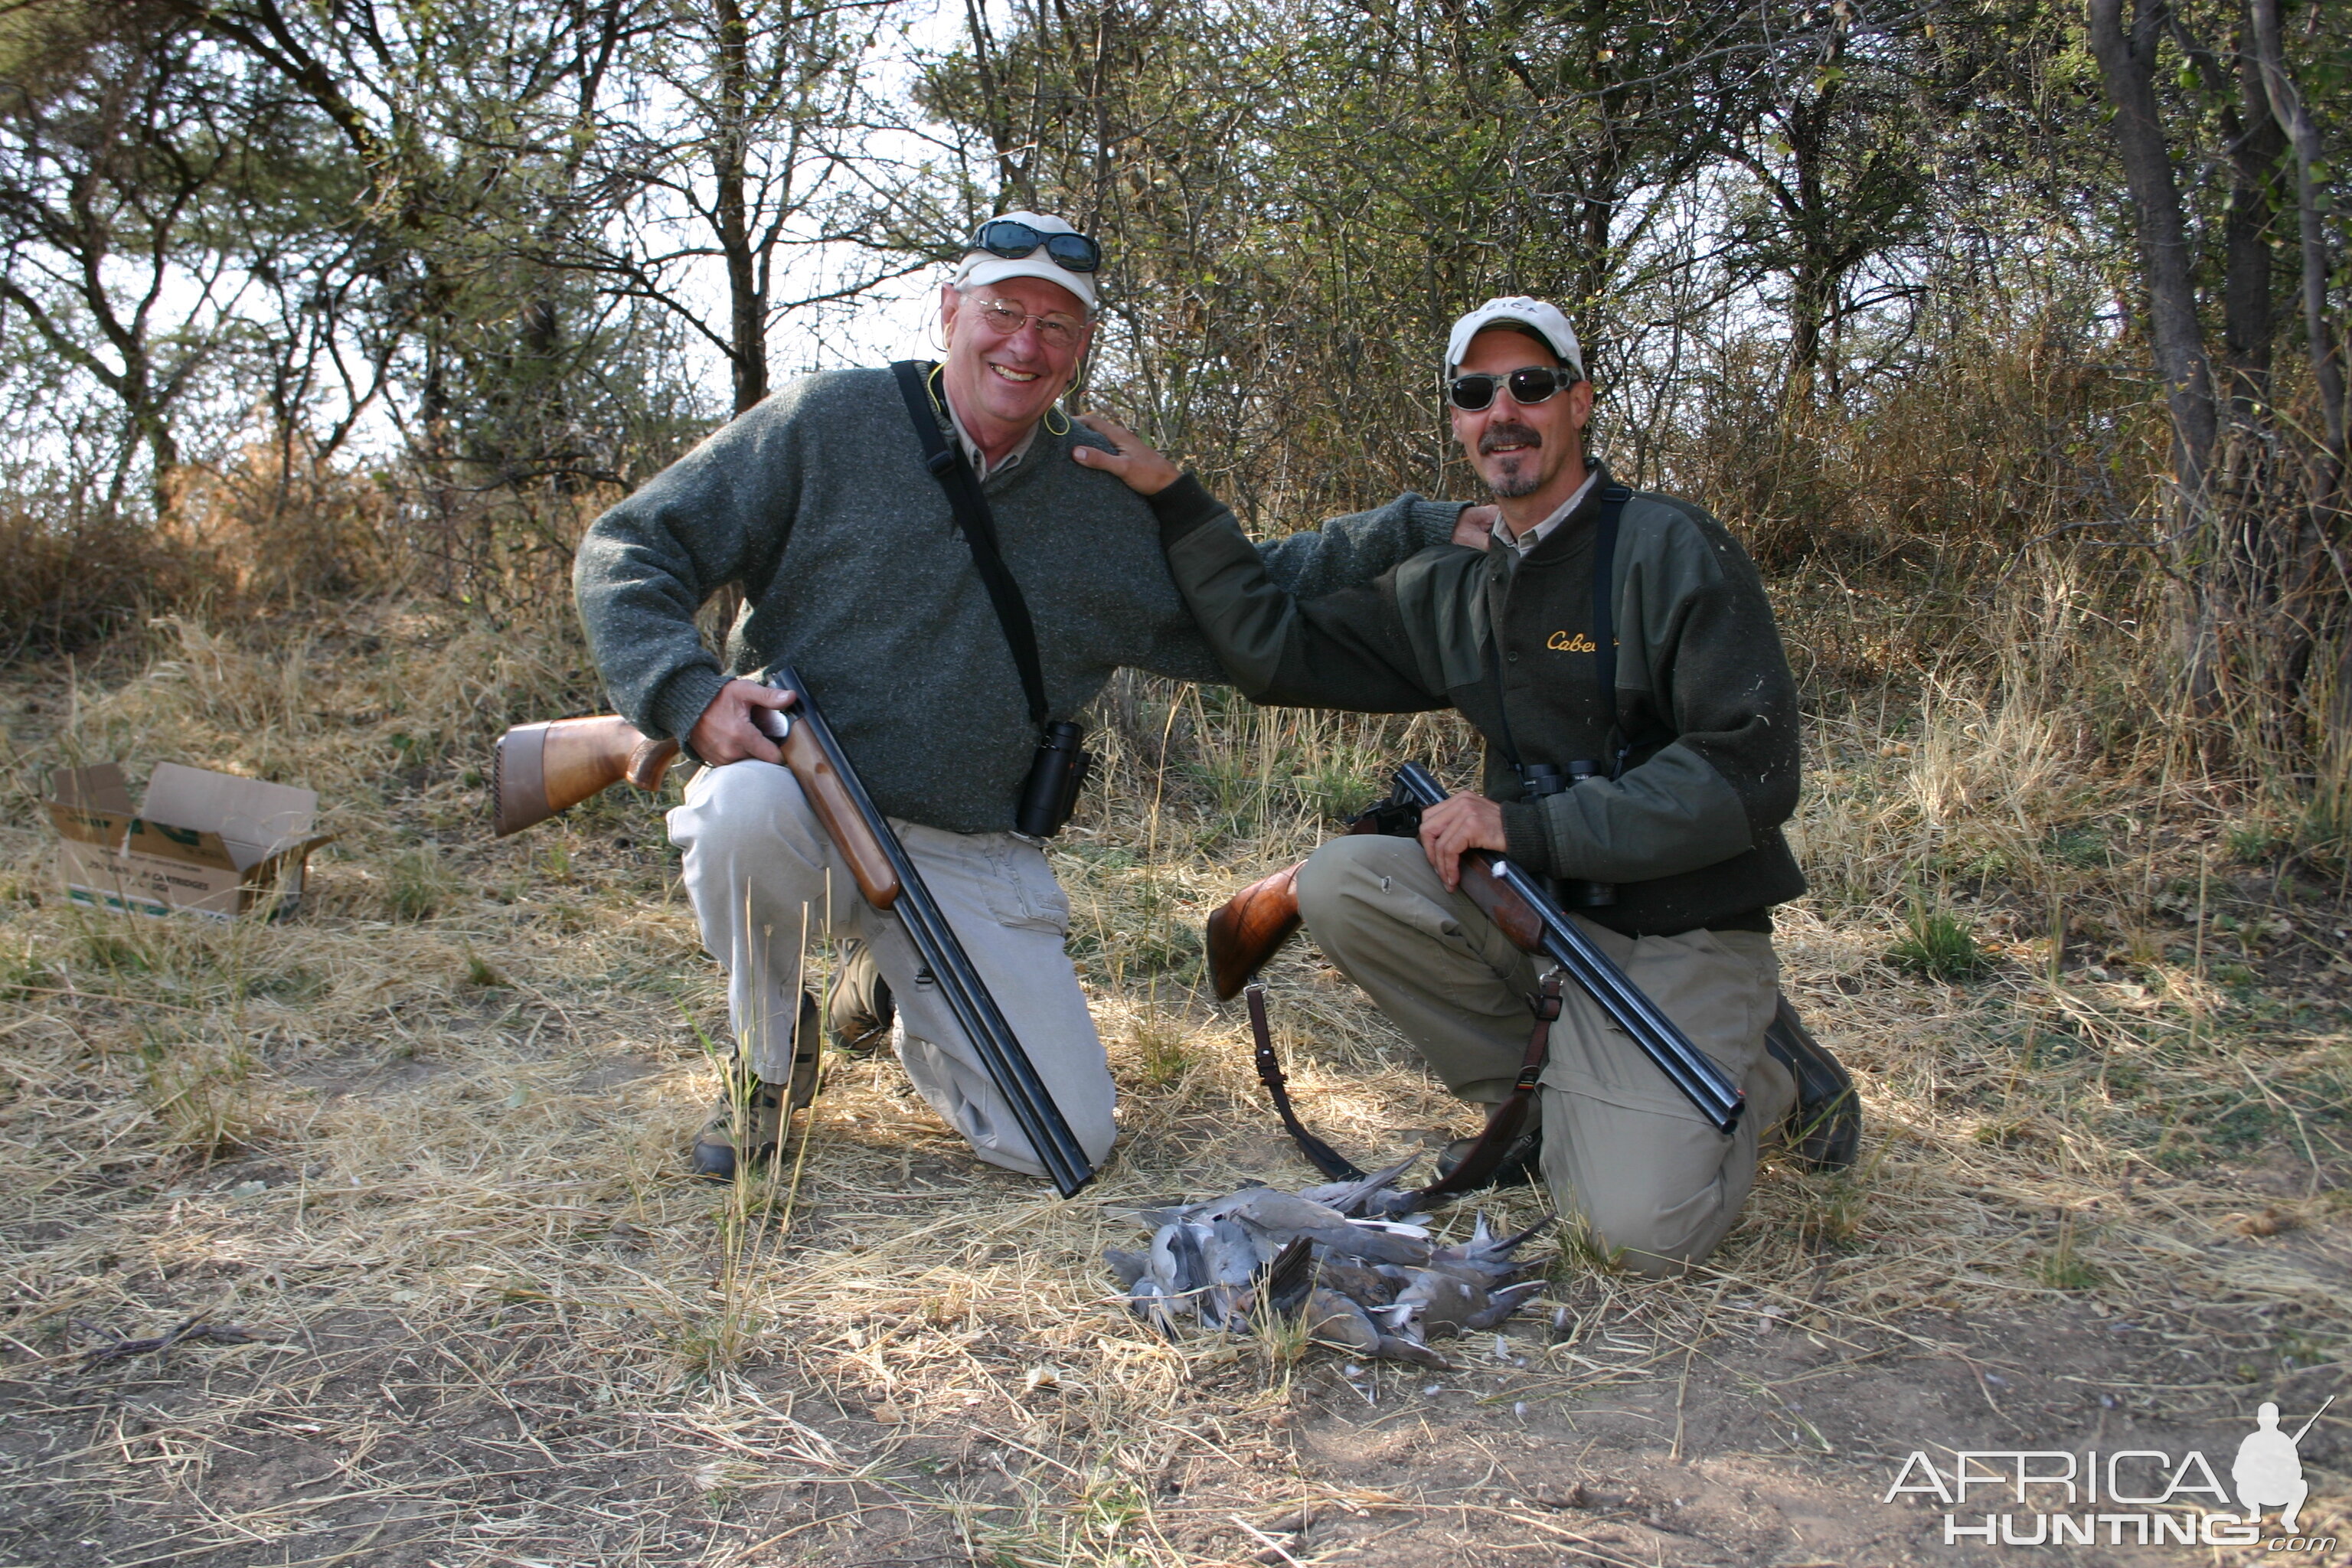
x,y
1510,435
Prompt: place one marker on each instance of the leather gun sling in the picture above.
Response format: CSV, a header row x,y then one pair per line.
x,y
1322,1155
1508,1121
1504,1123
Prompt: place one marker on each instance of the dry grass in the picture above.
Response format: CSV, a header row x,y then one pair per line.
x,y
426,1139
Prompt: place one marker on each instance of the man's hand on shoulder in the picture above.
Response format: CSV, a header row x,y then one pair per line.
x,y
1457,823
725,733
1144,471
1475,529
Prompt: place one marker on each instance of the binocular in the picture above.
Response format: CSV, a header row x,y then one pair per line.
x,y
1540,779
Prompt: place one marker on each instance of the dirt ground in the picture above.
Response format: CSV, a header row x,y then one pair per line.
x,y
410,1160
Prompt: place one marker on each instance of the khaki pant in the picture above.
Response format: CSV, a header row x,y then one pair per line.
x,y
1622,1149
759,867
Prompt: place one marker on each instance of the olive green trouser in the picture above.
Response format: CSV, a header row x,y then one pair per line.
x,y
1622,1149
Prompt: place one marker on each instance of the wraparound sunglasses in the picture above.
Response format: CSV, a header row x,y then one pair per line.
x,y
1012,239
1528,383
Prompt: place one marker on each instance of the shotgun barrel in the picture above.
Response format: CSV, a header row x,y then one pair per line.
x,y
1687,1068
961,985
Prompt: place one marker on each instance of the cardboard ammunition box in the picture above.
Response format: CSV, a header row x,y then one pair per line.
x,y
203,843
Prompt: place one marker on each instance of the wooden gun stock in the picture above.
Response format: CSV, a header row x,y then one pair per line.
x,y
1249,928
1246,929
829,797
541,770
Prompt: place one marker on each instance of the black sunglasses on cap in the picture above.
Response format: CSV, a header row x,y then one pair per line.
x,y
1528,383
1012,239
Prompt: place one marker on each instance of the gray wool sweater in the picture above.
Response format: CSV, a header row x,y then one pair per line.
x,y
818,503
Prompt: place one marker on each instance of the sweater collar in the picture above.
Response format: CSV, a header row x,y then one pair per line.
x,y
980,464
1527,542
1573,516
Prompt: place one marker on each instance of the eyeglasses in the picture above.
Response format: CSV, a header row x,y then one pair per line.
x,y
1012,239
1005,317
1528,383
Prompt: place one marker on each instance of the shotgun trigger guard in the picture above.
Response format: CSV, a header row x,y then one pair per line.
x,y
1391,818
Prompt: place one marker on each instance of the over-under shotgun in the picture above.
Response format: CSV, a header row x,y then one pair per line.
x,y
543,768
1244,933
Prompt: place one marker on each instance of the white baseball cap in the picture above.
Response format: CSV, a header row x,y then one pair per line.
x,y
1516,310
981,267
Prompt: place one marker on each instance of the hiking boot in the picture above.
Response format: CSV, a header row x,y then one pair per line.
x,y
1823,1130
759,1120
861,1009
1518,1168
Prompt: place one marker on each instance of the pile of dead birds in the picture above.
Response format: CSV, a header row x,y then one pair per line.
x,y
1371,1285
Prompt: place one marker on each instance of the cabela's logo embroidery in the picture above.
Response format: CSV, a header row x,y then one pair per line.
x,y
1569,642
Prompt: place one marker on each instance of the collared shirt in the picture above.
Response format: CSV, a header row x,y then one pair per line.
x,y
1540,532
980,464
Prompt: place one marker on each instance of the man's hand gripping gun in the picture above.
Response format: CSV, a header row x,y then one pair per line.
x,y
1245,930
543,768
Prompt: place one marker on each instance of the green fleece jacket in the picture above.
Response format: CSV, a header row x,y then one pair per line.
x,y
1691,831
816,502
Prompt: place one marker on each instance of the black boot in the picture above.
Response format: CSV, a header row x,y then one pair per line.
x,y
747,1123
861,1009
1823,1130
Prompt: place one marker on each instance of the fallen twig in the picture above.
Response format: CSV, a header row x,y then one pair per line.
x,y
195,1329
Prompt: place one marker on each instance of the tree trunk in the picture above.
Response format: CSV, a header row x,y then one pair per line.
x,y
746,350
2255,143
2127,72
2311,201
2167,265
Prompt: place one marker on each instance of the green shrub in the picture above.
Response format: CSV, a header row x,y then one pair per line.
x,y
1938,945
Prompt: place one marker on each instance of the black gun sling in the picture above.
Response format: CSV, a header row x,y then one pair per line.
x,y
948,464
1059,770
1605,638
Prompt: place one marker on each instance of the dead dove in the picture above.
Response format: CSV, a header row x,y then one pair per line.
x,y
1502,1304
1361,1196
1149,1303
1483,1253
1178,1265
1376,1246
1333,1320
1374,1286
1268,1210
1234,1255
1432,1306
1369,1287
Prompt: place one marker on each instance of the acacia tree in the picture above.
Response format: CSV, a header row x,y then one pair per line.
x,y
2261,586
1841,161
738,137
128,200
